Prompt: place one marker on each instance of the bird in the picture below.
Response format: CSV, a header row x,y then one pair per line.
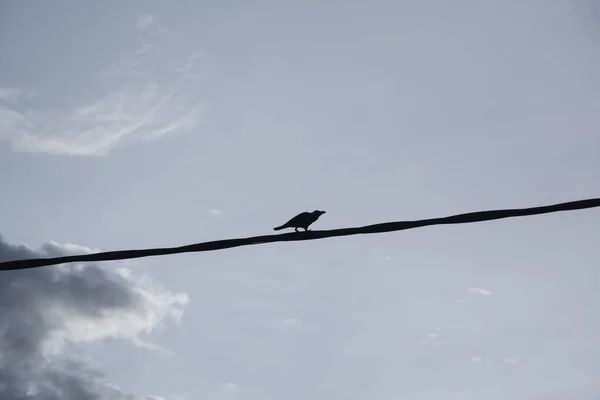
x,y
302,220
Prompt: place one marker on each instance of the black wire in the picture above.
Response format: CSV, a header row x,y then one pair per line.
x,y
310,235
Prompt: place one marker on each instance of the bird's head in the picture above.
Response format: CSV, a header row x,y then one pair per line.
x,y
318,213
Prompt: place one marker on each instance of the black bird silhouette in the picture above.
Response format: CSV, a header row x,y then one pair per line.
x,y
302,220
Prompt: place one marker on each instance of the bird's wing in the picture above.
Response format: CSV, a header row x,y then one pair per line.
x,y
298,218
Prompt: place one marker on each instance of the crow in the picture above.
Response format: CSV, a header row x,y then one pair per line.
x,y
302,220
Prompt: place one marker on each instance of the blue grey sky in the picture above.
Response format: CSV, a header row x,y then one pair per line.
x,y
142,124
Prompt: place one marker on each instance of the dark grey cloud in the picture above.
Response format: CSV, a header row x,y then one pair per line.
x,y
39,313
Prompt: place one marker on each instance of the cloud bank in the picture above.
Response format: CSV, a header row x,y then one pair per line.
x,y
44,311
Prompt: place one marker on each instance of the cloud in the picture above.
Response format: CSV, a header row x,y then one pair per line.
x,y
144,96
230,387
144,20
14,96
432,339
482,292
214,211
44,312
478,360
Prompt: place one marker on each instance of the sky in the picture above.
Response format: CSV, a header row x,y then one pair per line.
x,y
141,124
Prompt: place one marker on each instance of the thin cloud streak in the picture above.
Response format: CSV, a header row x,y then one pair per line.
x,y
479,291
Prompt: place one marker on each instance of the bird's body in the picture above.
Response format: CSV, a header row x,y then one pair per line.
x,y
302,220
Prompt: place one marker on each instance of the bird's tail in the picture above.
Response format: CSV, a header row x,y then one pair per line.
x,y
279,228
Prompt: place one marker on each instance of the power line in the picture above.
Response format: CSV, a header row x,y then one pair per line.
x,y
310,235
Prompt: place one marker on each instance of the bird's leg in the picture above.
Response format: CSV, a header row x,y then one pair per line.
x,y
296,229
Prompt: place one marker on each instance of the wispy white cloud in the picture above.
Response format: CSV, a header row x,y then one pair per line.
x,y
479,361
144,20
287,324
142,97
433,339
190,69
479,291
144,344
13,95
230,387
